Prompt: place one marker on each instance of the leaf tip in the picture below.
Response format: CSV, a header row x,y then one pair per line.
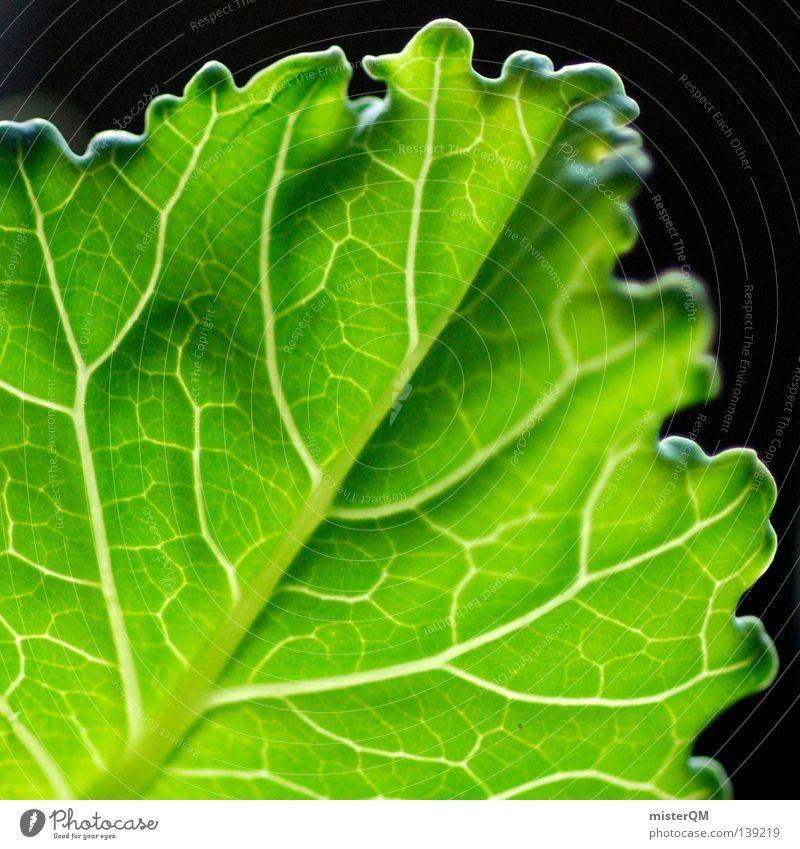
x,y
442,38
213,76
439,37
759,645
710,774
592,81
524,62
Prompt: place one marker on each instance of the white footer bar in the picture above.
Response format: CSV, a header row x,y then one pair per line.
x,y
402,825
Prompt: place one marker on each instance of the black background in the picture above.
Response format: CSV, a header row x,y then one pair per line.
x,y
87,64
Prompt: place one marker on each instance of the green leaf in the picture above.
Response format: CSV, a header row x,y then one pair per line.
x,y
329,454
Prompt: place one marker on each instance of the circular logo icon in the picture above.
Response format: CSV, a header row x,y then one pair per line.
x,y
31,822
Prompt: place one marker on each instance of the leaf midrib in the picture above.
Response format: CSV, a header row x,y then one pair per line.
x,y
187,704
146,749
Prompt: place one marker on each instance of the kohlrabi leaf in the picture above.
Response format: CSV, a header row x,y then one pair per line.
x,y
329,456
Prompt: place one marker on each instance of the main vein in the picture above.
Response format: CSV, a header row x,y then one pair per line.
x,y
186,703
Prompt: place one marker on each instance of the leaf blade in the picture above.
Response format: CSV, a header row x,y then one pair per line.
x,y
207,461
